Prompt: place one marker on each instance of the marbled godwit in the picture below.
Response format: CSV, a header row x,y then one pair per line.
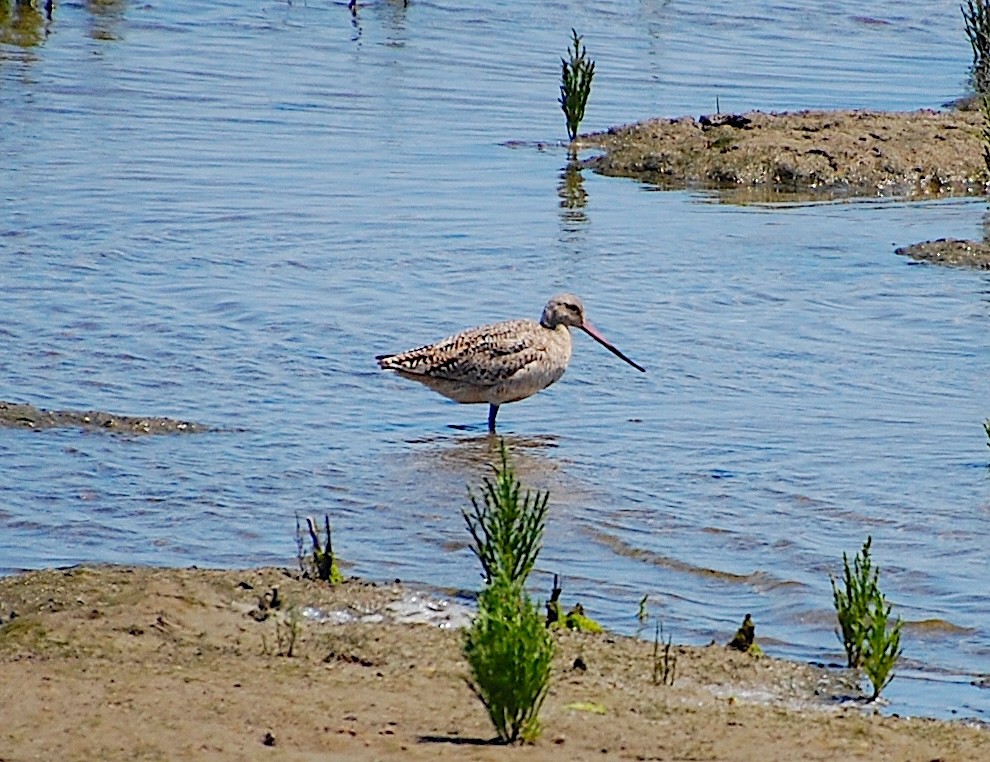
x,y
502,362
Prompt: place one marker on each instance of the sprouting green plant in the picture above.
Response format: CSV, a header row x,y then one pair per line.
x,y
508,646
510,651
883,648
575,619
984,100
507,532
322,563
665,664
870,640
553,603
575,84
287,632
976,15
852,602
745,638
578,621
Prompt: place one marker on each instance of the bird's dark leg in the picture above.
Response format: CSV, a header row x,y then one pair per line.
x,y
492,412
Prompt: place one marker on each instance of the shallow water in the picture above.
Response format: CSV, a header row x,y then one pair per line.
x,y
222,212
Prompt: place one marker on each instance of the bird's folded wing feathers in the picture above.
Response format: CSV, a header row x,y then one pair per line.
x,y
485,355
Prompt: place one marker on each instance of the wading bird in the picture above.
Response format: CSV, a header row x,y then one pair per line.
x,y
503,362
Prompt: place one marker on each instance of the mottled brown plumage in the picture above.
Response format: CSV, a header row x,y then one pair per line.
x,y
502,362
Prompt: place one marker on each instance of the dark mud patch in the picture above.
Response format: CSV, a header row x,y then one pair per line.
x,y
952,252
806,155
21,416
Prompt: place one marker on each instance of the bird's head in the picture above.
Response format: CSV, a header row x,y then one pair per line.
x,y
563,309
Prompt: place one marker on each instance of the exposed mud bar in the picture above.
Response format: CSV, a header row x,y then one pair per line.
x,y
950,251
20,416
826,154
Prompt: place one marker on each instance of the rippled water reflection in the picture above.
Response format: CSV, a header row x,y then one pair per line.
x,y
222,212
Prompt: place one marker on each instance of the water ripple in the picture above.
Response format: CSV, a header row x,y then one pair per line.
x,y
221,213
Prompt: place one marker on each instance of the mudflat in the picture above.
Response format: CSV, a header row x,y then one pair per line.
x,y
117,663
817,154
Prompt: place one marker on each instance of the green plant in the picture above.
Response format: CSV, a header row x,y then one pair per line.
x,y
852,602
322,563
575,619
507,533
883,648
287,632
575,84
664,666
510,651
288,626
984,100
553,603
745,638
870,640
976,15
508,647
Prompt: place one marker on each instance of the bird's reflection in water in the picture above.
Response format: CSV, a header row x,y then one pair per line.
x,y
437,471
425,484
469,456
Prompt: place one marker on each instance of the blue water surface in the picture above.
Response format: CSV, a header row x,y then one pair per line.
x,y
221,212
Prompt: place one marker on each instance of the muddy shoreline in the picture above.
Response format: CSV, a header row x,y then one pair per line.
x,y
116,663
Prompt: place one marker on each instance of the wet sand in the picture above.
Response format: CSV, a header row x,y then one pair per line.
x,y
118,663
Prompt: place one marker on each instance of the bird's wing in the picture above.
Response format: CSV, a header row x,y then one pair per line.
x,y
483,356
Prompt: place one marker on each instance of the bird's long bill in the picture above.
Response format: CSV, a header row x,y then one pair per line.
x,y
589,329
